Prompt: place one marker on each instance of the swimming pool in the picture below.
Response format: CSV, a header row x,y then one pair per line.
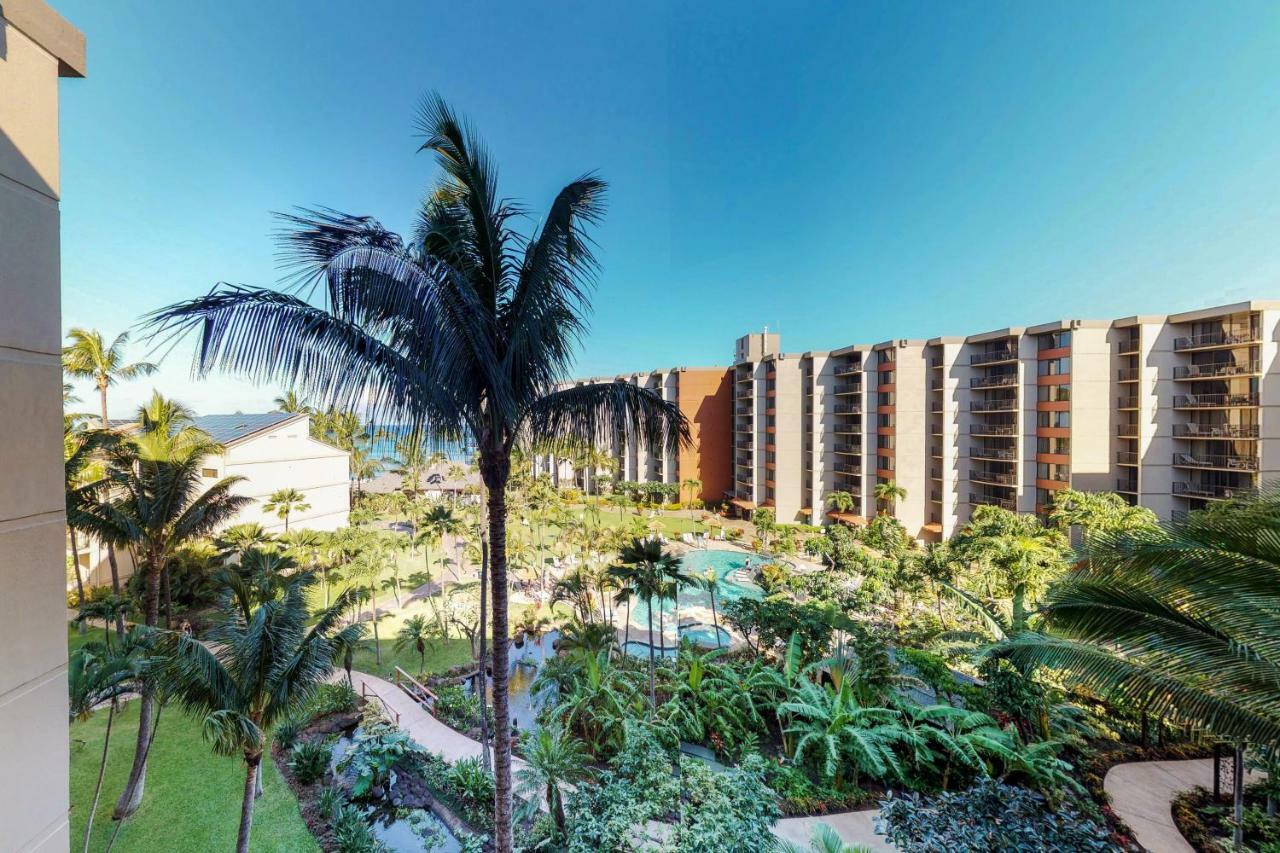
x,y
695,602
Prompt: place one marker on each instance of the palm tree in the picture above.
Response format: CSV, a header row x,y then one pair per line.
x,y
164,415
694,486
552,759
824,840
1095,512
1178,620
1017,554
889,493
642,572
89,357
367,567
290,403
840,501
242,538
414,632
110,609
766,523
840,734
467,330
79,464
285,502
151,500
433,526
710,581
261,666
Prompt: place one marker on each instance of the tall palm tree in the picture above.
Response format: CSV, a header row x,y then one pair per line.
x,y
367,568
151,500
710,581
164,415
552,758
416,633
80,467
467,330
840,501
89,357
285,502
290,403
643,572
412,459
1178,620
261,666
888,494
694,486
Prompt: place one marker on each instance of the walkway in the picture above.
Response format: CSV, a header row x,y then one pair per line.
x,y
1142,792
854,827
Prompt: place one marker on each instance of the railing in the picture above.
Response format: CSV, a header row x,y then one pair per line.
x,y
998,405
849,370
1000,478
936,384
743,461
847,409
1127,486
1127,430
1129,347
993,356
845,447
743,410
1231,462
416,690
992,500
844,468
993,429
935,406
1212,401
996,380
1200,490
366,692
1127,457
1001,453
1209,371
936,497
1213,339
1127,374
1130,402
1215,430
848,387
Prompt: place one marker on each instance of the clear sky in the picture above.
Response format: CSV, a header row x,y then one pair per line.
x,y
844,172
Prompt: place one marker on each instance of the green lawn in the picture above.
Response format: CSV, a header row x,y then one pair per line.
x,y
192,800
444,654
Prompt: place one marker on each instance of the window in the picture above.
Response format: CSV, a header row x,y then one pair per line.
x,y
884,420
208,472
1056,420
1054,366
1060,446
1053,471
884,442
1055,340
886,377
1053,393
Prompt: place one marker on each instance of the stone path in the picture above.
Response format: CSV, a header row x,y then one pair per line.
x,y
854,827
1141,794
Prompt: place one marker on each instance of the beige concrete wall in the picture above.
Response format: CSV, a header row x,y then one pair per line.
x,y
787,438
37,47
1093,389
911,454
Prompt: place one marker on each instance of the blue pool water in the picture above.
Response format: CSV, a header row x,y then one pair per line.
x,y
695,602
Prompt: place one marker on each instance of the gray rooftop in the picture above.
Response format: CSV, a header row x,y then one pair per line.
x,y
226,429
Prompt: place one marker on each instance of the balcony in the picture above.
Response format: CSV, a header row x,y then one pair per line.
x,y
1127,430
847,408
1128,487
1003,454
742,410
1001,404
1127,374
1215,401
1220,461
1000,430
998,478
1129,347
1215,339
995,380
992,500
847,448
848,370
993,356
847,469
1213,431
936,407
842,388
1192,372
1127,457
1206,491
1130,402
743,444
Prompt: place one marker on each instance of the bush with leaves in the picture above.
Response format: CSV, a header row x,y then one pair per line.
x,y
458,708
471,781
638,787
990,817
309,761
334,697
799,795
373,758
352,833
726,812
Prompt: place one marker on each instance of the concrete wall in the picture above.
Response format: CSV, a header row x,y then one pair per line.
x,y
705,396
36,47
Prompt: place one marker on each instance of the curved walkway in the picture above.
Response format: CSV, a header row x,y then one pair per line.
x,y
854,827
1142,793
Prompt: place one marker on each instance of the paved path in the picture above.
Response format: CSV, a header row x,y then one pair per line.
x,y
1141,794
854,827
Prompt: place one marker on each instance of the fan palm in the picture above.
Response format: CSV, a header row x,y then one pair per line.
x,y
552,758
284,503
89,357
824,840
260,667
1178,620
151,500
466,331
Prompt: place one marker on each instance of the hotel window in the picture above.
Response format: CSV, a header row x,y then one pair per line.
x,y
1055,420
884,442
1055,340
1055,366
1053,471
886,377
884,419
885,398
1060,446
1053,393
208,472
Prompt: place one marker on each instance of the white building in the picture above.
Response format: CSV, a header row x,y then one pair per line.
x,y
270,451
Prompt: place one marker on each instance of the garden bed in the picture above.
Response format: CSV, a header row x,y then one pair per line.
x,y
1207,823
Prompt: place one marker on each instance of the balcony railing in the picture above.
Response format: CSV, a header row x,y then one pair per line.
x,y
998,477
1130,402
848,387
1215,401
1003,454
742,410
1001,404
1230,462
1127,457
1215,339
993,356
1129,347
849,370
1127,430
995,380
1212,371
992,500
1215,430
847,468
1129,487
936,406
1127,374
846,408
847,448
1205,490
993,429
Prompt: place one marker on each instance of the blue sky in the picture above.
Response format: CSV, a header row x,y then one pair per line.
x,y
840,172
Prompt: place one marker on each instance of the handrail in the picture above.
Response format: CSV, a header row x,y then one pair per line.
x,y
423,696
366,691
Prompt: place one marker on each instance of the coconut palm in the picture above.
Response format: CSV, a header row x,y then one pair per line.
x,y
889,493
89,357
290,403
642,572
415,632
240,539
1095,512
552,758
466,330
80,467
261,666
366,569
284,503
1179,621
694,487
111,609
710,581
840,501
151,500
164,415
412,459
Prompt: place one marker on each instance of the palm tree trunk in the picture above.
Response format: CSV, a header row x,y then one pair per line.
x,y
246,805
373,601
75,564
131,796
102,398
483,675
102,772
168,599
626,630
653,693
496,470
715,620
115,587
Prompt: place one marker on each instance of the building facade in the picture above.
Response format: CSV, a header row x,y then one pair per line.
x,y
37,47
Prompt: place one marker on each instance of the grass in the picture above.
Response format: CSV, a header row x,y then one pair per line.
x,y
192,800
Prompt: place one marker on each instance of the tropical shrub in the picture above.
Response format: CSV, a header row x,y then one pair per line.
x,y
457,707
798,795
373,758
286,732
334,697
309,761
471,781
638,786
726,812
990,817
352,833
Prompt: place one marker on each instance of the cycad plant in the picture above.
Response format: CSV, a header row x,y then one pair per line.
x,y
1181,620
261,666
466,330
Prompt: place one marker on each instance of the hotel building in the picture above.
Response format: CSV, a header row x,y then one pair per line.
x,y
1172,412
